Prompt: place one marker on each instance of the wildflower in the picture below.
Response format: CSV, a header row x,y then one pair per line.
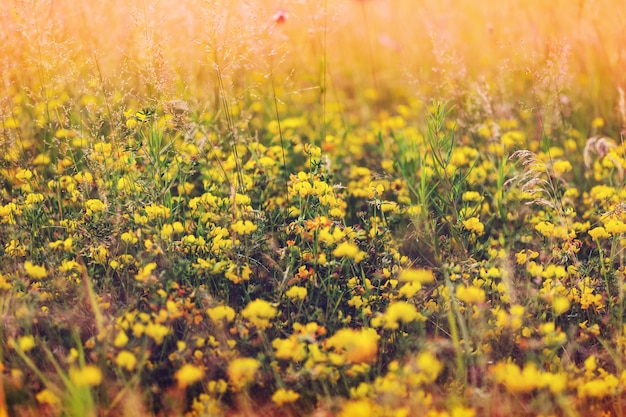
x,y
357,346
296,293
409,289
243,227
126,360
470,295
598,388
46,396
429,367
284,396
188,375
471,196
423,276
259,312
167,231
121,339
289,349
88,376
460,411
41,159
35,271
156,332
361,408
155,211
26,343
400,311
474,225
560,305
561,167
144,274
94,206
598,232
349,250
220,314
242,371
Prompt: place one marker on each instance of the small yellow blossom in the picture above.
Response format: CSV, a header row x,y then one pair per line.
x,y
409,289
126,360
220,313
121,339
242,372
35,271
188,375
94,206
561,167
349,250
46,396
598,232
560,305
471,196
157,332
423,276
358,346
88,376
430,367
259,312
470,295
400,311
26,343
361,408
296,293
474,225
243,227
284,396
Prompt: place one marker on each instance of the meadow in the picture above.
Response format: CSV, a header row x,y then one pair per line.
x,y
312,208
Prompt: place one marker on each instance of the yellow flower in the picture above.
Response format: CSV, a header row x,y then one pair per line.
x,y
560,305
409,289
126,360
220,313
470,295
26,343
35,271
561,167
472,196
598,232
89,376
349,250
296,293
460,411
243,227
167,231
430,367
144,274
361,408
94,206
400,311
289,349
47,397
423,276
157,332
474,225
121,339
155,211
284,396
358,346
188,375
242,371
259,312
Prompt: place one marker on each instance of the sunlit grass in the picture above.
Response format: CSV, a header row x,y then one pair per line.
x,y
353,208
